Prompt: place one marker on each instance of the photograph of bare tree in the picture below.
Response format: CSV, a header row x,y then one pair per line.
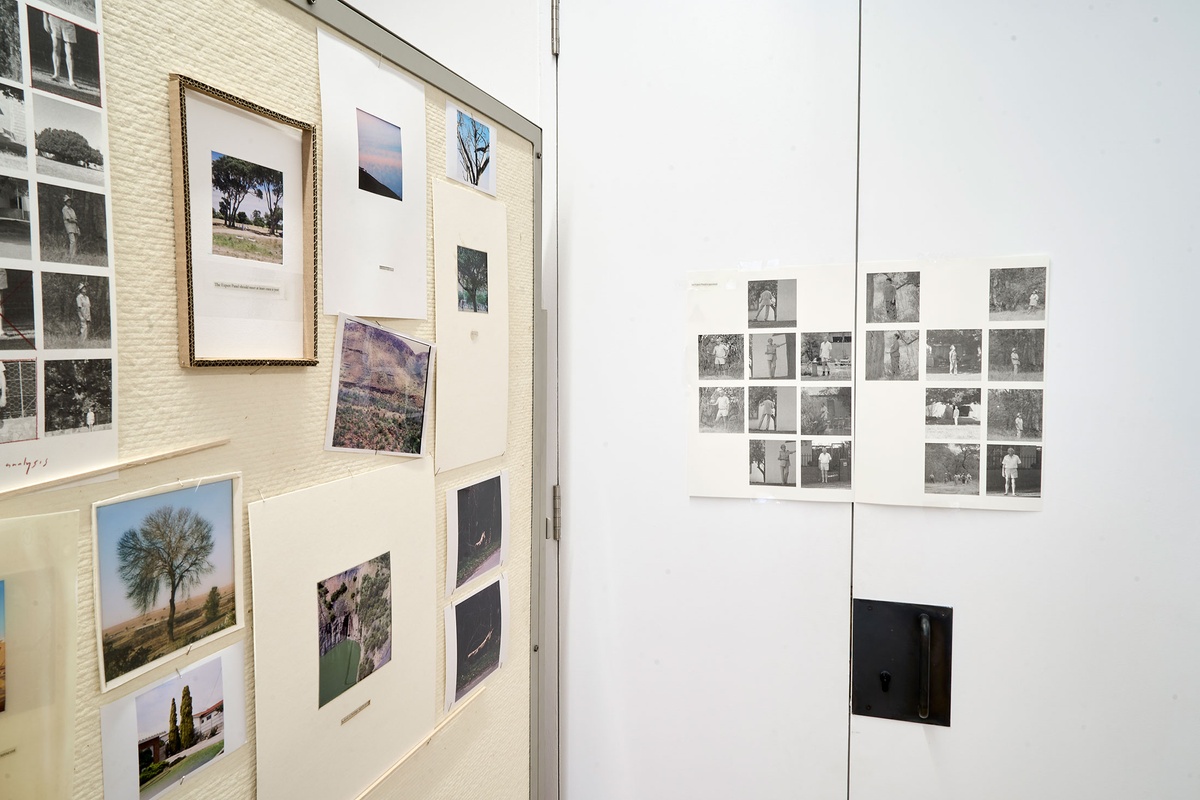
x,y
247,209
1017,293
481,526
892,355
1016,354
354,625
893,297
722,409
472,280
165,568
1014,414
952,469
953,414
474,149
721,356
478,631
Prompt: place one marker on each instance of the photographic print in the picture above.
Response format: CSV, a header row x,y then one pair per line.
x,y
15,236
773,408
380,390
10,41
772,356
953,414
247,209
471,156
721,356
1014,470
893,297
771,304
72,226
825,411
472,280
167,573
952,469
1016,354
13,143
478,633
772,462
180,727
954,352
18,401
1014,414
64,58
477,518
824,465
16,310
354,625
380,157
85,9
892,355
1017,293
826,356
722,409
3,652
78,396
75,311
69,141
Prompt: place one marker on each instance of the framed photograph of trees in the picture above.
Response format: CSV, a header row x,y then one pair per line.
x,y
168,573
245,230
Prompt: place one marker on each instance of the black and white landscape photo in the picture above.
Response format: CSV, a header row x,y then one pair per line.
x,y
826,356
78,396
1014,414
1016,354
72,226
721,356
771,304
69,141
892,355
75,311
953,414
64,58
952,468
17,330
1017,293
722,409
954,353
893,297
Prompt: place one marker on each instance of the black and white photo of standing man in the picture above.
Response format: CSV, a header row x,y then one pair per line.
x,y
75,313
72,226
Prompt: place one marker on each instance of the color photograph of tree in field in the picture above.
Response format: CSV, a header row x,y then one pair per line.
x,y
478,630
953,414
160,559
247,210
354,625
893,297
382,388
1017,294
952,469
892,355
180,726
472,280
1016,354
1015,414
721,355
480,529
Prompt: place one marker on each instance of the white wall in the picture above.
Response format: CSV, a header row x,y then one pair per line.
x,y
705,641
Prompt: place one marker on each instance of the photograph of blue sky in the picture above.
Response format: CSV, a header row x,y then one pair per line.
x,y
212,501
379,156
250,204
154,707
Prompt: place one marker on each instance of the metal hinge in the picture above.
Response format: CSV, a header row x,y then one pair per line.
x,y
556,525
554,36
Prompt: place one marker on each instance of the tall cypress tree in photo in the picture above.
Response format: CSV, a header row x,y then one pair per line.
x,y
212,606
173,732
187,727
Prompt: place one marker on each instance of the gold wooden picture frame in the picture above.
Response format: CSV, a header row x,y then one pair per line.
x,y
246,267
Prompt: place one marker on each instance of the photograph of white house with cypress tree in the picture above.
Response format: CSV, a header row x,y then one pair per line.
x,y
181,727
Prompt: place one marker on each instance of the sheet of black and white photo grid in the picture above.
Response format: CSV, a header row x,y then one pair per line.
x,y
58,402
950,376
770,398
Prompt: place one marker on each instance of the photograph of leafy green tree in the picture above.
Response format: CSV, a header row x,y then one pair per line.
x,y
247,209
472,280
952,469
354,625
69,142
176,742
478,630
383,382
481,528
151,553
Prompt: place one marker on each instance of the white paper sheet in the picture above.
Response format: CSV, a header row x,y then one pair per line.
x,y
298,539
217,685
37,657
373,242
759,423
471,148
472,381
912,448
477,530
474,621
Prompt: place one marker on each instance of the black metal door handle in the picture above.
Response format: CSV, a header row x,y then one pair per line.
x,y
923,675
